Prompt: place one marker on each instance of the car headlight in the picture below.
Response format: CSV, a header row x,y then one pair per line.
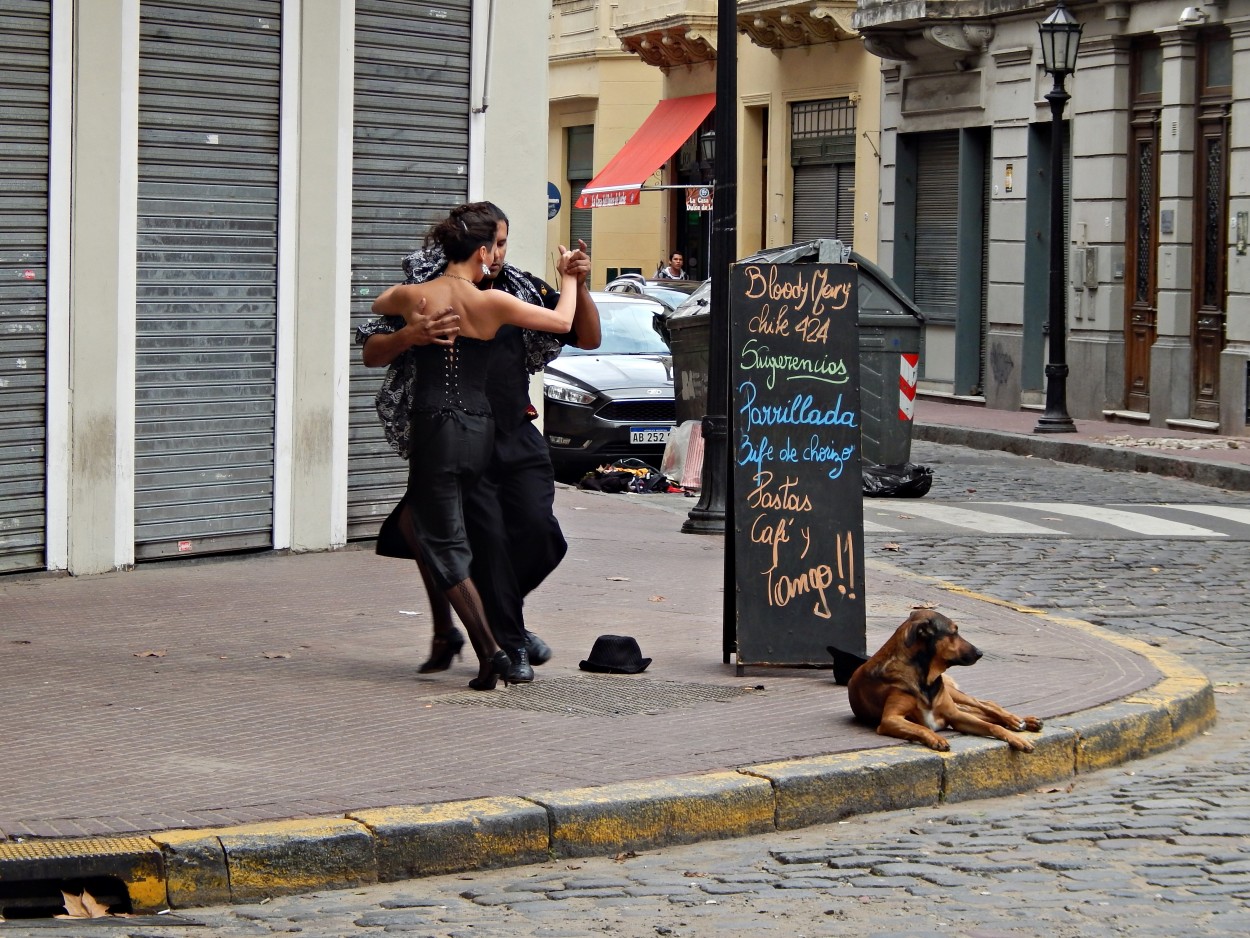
x,y
563,391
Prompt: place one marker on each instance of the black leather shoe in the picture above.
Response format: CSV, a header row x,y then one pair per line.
x,y
538,650
520,671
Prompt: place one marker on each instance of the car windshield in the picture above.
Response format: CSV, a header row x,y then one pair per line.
x,y
627,330
670,296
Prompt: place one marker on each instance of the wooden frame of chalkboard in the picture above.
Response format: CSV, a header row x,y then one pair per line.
x,y
797,493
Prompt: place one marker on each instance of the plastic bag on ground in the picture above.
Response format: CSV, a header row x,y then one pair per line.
x,y
906,480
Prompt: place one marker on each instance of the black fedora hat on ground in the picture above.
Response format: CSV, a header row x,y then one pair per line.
x,y
615,654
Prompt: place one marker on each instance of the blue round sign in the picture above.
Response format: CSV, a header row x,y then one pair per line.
x,y
553,200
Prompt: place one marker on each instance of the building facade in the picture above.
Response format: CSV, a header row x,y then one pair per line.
x,y
808,142
1156,156
198,201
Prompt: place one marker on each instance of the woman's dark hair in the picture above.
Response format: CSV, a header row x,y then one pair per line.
x,y
466,229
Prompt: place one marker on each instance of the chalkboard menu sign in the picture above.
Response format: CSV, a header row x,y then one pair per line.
x,y
797,494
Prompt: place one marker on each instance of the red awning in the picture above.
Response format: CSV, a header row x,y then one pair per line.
x,y
667,128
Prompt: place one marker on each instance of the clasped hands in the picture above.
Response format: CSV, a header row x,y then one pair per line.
x,y
442,327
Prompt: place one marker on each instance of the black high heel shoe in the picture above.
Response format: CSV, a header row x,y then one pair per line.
x,y
444,647
499,664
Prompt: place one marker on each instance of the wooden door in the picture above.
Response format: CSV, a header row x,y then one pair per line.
x,y
1141,273
1210,221
1141,248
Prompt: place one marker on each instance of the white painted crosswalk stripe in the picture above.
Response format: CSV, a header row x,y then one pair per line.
x,y
983,521
1223,512
1128,520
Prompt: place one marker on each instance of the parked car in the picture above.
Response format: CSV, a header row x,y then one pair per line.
x,y
616,400
669,292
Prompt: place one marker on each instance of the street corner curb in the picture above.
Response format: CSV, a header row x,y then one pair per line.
x,y
133,861
1160,718
424,840
989,768
823,789
268,859
195,868
1087,453
598,821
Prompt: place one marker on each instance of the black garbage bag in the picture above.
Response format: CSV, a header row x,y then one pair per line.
x,y
904,480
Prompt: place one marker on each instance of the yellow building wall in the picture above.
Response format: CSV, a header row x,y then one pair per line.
x,y
615,93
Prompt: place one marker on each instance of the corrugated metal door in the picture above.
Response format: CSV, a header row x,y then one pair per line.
x,y
207,275
824,202
410,166
937,224
25,62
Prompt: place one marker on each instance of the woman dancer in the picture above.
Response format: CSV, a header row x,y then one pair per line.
x,y
451,428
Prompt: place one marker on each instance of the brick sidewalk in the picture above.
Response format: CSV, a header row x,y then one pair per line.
x,y
218,692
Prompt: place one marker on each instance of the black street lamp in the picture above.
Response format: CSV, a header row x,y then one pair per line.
x,y
708,516
1060,35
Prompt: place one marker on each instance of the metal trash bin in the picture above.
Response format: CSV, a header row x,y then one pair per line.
x,y
687,329
889,348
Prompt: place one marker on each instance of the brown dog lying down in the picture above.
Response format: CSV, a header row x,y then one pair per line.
x,y
902,691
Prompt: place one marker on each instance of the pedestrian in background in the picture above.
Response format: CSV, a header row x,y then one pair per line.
x,y
674,269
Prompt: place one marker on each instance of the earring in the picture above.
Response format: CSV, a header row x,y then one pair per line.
x,y
485,270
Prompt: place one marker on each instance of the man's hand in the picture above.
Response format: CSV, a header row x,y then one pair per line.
x,y
439,328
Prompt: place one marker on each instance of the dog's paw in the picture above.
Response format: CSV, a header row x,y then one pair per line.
x,y
1032,724
1018,744
939,745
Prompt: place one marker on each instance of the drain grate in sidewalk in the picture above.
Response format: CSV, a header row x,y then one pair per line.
x,y
609,695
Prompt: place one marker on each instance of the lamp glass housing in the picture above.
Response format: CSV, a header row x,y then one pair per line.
x,y
707,146
1060,35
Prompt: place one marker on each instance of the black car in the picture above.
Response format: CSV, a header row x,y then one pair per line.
x,y
614,401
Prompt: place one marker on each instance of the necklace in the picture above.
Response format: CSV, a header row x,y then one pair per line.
x,y
457,277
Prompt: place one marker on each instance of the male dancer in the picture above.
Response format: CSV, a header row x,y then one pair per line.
x,y
513,530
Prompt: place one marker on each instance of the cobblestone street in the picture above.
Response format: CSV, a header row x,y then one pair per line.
x,y
1158,847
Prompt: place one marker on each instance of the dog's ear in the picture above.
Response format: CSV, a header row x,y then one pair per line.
x,y
921,630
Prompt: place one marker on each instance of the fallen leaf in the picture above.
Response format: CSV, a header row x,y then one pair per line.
x,y
890,546
626,855
656,599
149,654
21,641
618,579
84,906
276,654
928,604
904,517
693,875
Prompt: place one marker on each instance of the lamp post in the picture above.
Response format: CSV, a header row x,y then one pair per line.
x,y
1060,36
708,516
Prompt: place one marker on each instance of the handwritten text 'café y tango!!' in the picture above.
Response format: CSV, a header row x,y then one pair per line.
x,y
808,291
788,577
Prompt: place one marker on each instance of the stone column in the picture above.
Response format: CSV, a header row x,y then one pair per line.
x,y
102,275
1235,359
318,324
1171,356
1100,92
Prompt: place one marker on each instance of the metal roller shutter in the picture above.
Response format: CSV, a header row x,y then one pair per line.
x,y
410,166
25,60
937,224
824,202
207,275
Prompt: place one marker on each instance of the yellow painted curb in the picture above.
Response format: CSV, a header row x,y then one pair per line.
x,y
424,840
988,768
823,789
598,821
